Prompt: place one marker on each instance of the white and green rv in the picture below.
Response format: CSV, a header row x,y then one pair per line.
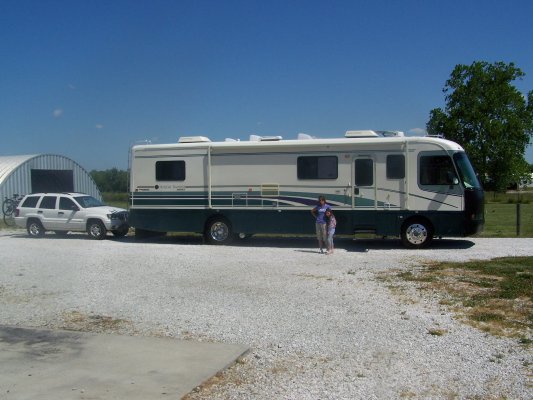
x,y
379,182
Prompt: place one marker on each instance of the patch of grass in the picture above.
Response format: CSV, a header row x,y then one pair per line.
x,y
500,220
437,332
77,321
116,199
495,296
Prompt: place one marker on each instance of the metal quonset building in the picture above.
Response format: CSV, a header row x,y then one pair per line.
x,y
43,173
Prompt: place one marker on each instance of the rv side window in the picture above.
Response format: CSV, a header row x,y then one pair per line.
x,y
395,166
170,170
436,170
364,172
322,167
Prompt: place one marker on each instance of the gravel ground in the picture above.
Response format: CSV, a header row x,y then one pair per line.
x,y
319,327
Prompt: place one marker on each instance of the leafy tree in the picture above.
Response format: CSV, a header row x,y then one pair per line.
x,y
490,118
111,180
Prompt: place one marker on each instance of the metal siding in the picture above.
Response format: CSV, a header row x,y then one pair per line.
x,y
15,173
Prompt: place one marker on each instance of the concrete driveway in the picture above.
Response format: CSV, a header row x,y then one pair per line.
x,y
44,364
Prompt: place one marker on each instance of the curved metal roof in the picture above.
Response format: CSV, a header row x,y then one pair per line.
x,y
8,164
16,173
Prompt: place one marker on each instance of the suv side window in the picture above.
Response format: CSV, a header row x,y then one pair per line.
x,y
48,202
30,202
66,204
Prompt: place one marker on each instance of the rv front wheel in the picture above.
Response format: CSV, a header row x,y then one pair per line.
x,y
417,233
218,231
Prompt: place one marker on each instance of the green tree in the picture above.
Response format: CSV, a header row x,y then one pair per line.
x,y
111,180
487,115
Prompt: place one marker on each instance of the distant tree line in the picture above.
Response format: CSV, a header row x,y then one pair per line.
x,y
111,180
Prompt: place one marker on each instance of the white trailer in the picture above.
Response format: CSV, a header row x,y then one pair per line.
x,y
379,182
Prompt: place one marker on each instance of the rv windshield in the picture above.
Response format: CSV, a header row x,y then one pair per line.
x,y
467,173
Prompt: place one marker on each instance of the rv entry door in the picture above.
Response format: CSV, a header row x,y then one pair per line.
x,y
364,185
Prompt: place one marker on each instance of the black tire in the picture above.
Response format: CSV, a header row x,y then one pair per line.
x,y
96,230
9,220
35,228
218,231
417,233
121,232
8,207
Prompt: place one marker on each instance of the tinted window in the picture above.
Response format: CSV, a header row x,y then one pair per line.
x,y
48,202
436,170
396,166
364,172
88,201
317,167
30,202
170,170
66,204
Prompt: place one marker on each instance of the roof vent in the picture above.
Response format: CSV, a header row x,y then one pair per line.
x,y
257,138
391,133
360,134
270,138
193,139
304,136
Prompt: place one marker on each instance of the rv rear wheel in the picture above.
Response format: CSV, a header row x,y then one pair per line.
x,y
218,231
417,233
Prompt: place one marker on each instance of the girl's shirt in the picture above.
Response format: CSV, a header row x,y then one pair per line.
x,y
332,223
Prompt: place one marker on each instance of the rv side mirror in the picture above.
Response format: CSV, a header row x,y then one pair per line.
x,y
74,207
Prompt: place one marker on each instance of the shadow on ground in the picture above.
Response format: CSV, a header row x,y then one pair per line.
x,y
299,243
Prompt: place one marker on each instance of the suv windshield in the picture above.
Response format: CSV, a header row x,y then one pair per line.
x,y
467,173
88,201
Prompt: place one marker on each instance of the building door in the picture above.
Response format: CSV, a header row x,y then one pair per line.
x,y
52,181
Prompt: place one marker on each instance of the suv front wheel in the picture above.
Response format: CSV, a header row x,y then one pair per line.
x,y
96,229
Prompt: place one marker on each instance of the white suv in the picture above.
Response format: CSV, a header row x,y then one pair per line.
x,y
64,212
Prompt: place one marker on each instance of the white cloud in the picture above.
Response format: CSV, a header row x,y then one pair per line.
x,y
99,126
417,132
58,113
71,86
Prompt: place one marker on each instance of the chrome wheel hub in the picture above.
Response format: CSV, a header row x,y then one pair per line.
x,y
219,231
95,230
416,234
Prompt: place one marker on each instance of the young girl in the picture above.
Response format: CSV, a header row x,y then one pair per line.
x,y
332,223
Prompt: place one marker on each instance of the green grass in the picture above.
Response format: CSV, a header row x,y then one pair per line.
x,y
116,199
495,295
500,220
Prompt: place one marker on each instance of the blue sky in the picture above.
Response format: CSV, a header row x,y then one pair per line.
x,y
87,79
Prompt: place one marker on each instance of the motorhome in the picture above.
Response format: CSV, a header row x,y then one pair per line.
x,y
377,182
